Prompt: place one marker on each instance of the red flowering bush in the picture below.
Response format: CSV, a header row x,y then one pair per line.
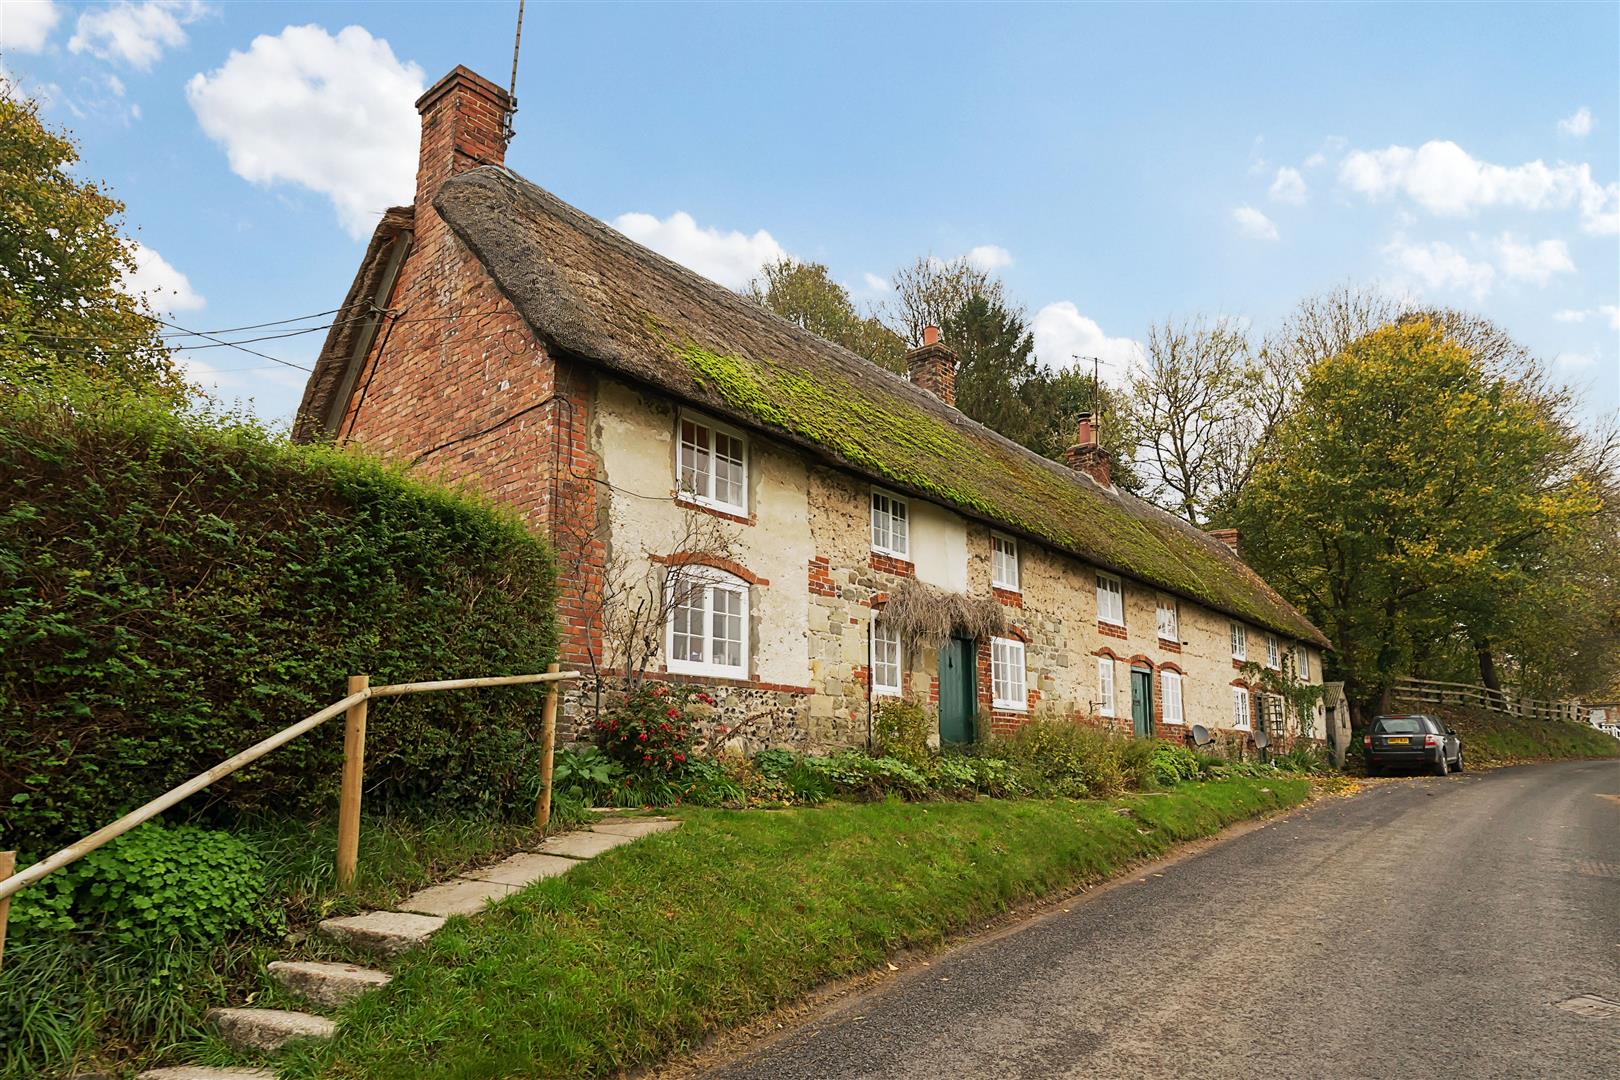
x,y
650,731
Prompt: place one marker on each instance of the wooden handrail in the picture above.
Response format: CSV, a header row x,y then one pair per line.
x,y
1438,691
78,850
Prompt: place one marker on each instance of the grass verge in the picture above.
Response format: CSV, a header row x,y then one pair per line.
x,y
644,952
69,1003
1491,739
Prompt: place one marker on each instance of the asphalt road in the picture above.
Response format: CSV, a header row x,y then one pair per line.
x,y
1425,928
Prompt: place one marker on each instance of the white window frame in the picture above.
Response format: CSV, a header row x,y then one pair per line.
x,y
1171,707
901,550
1240,641
1302,663
707,497
1167,606
1117,592
1006,663
885,636
1273,653
1240,702
713,580
1107,691
1004,551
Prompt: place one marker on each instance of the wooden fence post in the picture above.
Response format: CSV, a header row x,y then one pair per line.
x,y
548,747
8,866
354,764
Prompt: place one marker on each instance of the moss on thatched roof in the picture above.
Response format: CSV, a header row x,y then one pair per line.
x,y
592,292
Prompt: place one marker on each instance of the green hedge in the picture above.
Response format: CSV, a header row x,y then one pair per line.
x,y
174,588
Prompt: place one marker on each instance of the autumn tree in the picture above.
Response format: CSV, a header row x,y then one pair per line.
x,y
1408,481
64,312
806,295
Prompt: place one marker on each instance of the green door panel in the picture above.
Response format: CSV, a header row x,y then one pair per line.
x,y
957,698
1142,702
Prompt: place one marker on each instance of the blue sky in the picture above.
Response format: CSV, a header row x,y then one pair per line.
x,y
1115,164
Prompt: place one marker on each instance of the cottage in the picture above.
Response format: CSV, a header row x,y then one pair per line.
x,y
624,405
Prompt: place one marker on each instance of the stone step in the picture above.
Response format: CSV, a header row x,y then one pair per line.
x,y
582,845
523,869
634,827
383,932
268,1030
205,1072
326,984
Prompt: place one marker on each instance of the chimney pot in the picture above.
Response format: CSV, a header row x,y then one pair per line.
x,y
930,335
1085,434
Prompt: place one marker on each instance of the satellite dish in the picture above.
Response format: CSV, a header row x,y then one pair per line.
x,y
1200,734
1261,739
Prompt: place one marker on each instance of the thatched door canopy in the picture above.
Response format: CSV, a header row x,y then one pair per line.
x,y
926,616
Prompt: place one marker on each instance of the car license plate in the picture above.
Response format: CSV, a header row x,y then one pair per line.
x,y
1402,740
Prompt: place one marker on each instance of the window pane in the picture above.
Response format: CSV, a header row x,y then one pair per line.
x,y
880,521
728,470
1105,686
696,467
728,626
898,528
686,642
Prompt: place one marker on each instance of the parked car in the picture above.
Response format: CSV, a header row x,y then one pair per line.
x,y
1411,741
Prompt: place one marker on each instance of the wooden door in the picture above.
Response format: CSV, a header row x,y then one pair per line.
x,y
957,697
1142,702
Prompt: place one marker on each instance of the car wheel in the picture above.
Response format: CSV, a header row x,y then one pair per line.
x,y
1372,770
1458,766
1441,768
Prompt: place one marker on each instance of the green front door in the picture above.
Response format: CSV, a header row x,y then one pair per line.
x,y
1142,701
956,691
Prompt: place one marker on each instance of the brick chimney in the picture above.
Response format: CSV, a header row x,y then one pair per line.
x,y
933,366
1229,537
463,120
1088,457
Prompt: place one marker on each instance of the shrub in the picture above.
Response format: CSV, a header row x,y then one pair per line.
x,y
154,886
174,588
1173,764
719,782
1073,759
855,773
585,775
901,728
953,777
1304,758
650,731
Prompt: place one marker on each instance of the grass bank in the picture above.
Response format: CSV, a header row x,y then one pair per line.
x,y
1491,739
71,1002
643,952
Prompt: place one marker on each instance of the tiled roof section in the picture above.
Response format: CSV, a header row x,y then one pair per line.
x,y
592,292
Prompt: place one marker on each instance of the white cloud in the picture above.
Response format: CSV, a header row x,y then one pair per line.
x,y
989,257
136,34
1316,160
1062,334
875,283
1611,312
1574,361
1443,178
25,25
1441,266
730,258
164,287
1578,125
1288,187
1532,262
116,85
333,114
1254,223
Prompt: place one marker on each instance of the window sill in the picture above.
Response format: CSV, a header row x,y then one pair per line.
x,y
703,506
709,671
1009,706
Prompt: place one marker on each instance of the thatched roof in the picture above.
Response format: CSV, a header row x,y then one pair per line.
x,y
592,292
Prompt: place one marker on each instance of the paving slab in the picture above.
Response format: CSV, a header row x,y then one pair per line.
x,y
326,984
386,932
269,1029
524,869
583,845
633,827
205,1072
458,896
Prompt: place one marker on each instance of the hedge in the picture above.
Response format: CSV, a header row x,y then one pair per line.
x,y
175,587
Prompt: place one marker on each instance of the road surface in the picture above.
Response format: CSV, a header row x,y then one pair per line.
x,y
1427,927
